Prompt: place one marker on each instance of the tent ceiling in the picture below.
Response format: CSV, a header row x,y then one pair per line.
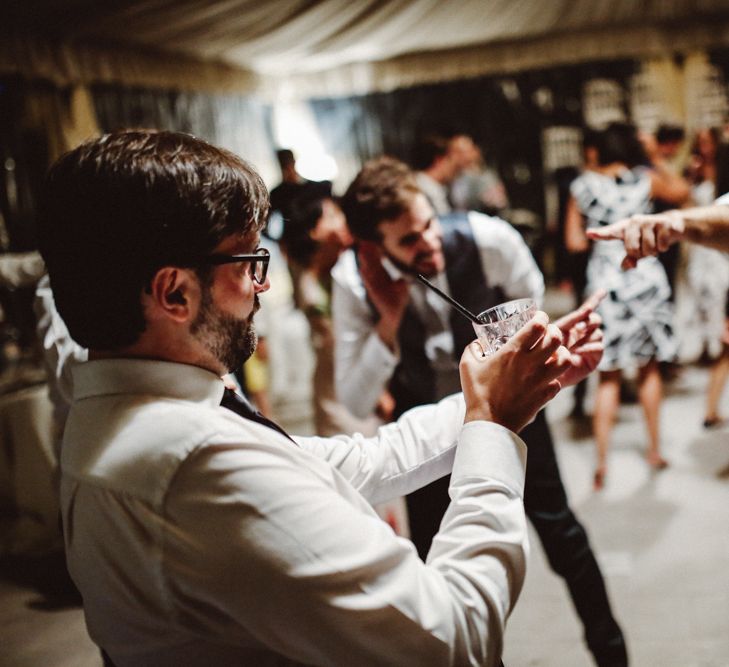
x,y
281,38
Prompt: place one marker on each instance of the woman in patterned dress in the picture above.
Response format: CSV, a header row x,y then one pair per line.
x,y
637,313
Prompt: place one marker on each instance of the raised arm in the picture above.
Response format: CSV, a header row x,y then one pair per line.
x,y
575,238
419,448
367,307
668,185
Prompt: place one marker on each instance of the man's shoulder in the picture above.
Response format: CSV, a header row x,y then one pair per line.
x,y
490,230
160,436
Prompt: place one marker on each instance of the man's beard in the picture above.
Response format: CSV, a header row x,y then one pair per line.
x,y
412,269
230,340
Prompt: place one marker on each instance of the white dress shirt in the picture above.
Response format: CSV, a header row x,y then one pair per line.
x,y
197,537
364,364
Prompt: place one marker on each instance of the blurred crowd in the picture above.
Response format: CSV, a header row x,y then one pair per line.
x,y
681,297
671,312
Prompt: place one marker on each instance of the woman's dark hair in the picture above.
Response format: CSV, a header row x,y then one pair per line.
x,y
714,133
619,143
383,190
118,208
305,212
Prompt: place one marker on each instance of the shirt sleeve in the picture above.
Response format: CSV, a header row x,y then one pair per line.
x,y
363,363
506,259
402,457
292,557
60,351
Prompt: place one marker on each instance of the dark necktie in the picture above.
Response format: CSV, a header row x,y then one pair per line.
x,y
241,406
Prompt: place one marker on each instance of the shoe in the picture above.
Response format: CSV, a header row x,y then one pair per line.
x,y
713,422
598,479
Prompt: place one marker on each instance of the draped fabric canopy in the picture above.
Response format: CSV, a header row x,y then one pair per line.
x,y
328,47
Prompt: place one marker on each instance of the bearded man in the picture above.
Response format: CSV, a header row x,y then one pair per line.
x,y
200,533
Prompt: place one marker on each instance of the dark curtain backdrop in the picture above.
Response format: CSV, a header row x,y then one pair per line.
x,y
505,116
33,118
24,157
238,123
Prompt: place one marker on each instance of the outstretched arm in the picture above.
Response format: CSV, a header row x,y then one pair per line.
x,y
646,235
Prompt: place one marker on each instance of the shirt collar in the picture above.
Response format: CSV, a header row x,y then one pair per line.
x,y
104,377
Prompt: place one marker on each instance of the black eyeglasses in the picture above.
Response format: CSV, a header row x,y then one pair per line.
x,y
259,262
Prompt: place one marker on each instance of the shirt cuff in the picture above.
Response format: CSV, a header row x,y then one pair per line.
x,y
486,449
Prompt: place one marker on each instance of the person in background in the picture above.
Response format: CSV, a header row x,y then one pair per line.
x,y
717,379
648,235
662,150
317,235
392,332
637,315
574,251
439,160
199,532
703,316
312,243
291,186
701,171
478,187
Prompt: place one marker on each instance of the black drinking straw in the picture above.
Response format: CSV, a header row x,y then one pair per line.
x,y
461,309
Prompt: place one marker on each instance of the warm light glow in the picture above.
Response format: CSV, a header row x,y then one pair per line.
x,y
295,128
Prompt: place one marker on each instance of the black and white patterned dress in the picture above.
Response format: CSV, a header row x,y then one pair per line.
x,y
637,313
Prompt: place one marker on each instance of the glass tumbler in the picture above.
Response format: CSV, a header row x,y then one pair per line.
x,y
498,324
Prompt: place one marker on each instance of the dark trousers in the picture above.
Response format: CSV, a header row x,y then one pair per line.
x,y
563,538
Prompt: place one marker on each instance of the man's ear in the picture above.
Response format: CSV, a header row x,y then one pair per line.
x,y
172,291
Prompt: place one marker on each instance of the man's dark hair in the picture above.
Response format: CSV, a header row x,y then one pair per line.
x,y
666,133
118,208
383,190
429,149
619,143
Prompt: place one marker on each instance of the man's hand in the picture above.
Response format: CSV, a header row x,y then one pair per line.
x,y
512,385
390,297
583,338
643,235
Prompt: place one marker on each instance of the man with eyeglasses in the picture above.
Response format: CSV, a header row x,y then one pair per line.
x,y
199,533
